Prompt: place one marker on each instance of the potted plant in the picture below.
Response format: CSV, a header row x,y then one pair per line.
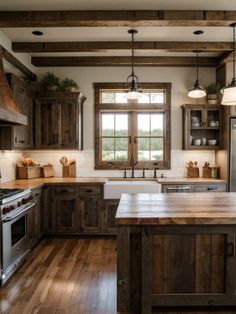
x,y
69,85
212,91
49,82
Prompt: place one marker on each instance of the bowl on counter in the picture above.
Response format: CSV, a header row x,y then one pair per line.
x,y
197,142
212,142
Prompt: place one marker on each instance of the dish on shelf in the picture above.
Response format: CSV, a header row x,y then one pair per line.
x,y
212,142
214,123
196,125
197,142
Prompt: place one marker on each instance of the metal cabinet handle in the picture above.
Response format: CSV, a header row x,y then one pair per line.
x,y
212,189
179,188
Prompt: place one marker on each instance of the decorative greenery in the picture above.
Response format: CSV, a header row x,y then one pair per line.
x,y
49,80
213,88
68,83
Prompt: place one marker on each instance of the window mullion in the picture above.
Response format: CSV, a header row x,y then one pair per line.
x,y
135,134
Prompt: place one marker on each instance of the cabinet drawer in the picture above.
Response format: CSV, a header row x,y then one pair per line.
x,y
36,193
65,191
90,191
210,188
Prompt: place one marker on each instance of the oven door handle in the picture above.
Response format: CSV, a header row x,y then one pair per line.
x,y
7,219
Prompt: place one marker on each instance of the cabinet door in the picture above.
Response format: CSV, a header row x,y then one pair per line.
x,y
109,213
66,215
58,119
48,210
189,266
90,215
69,134
23,135
48,127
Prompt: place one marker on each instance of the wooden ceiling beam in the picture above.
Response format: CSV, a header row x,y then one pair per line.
x,y
108,18
123,61
119,45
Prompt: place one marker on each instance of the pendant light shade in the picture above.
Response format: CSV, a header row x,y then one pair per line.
x,y
229,92
197,91
132,79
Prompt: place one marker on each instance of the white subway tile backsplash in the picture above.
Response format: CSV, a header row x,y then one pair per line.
x,y
85,163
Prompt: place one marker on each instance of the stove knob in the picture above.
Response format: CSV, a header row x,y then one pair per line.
x,y
24,201
12,207
18,203
6,210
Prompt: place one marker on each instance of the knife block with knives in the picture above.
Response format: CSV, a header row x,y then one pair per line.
x,y
68,167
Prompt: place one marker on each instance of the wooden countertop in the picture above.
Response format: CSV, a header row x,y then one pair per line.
x,y
190,181
34,183
178,209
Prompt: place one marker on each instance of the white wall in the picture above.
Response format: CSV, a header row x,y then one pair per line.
x,y
8,159
181,79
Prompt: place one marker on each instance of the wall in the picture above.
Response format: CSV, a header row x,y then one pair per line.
x,y
8,159
181,79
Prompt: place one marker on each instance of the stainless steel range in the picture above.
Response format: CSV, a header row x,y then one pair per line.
x,y
15,205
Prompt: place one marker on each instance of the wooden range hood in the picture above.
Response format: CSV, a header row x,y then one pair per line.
x,y
9,110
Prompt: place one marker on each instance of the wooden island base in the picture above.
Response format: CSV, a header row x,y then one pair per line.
x,y
175,265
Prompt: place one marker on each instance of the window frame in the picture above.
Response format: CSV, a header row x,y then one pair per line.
x,y
132,109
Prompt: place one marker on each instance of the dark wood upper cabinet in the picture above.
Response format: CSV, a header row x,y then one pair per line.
x,y
19,137
59,120
203,123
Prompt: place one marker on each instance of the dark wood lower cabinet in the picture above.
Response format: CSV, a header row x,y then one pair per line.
x,y
181,266
75,209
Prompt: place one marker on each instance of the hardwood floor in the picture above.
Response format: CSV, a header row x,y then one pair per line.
x,y
67,276
64,276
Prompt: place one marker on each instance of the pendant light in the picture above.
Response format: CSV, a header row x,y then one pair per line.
x,y
197,91
229,92
132,79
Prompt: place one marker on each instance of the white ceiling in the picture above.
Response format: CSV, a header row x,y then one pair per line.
x,y
119,33
118,5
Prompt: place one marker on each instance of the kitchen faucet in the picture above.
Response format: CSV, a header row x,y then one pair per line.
x,y
132,165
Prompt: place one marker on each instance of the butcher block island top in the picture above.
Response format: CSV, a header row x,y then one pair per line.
x,y
177,209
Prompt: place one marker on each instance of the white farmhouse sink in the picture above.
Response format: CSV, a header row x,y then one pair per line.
x,y
114,189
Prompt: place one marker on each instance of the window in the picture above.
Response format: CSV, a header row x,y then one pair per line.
x,y
140,129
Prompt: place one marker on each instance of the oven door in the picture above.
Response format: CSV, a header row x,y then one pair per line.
x,y
15,235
